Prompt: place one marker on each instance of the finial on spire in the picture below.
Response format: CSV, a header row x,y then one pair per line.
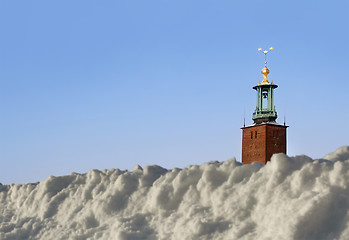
x,y
265,54
265,70
284,120
244,119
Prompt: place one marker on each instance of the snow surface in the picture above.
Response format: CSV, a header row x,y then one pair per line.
x,y
289,198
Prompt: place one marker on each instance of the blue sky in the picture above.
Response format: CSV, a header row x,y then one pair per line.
x,y
111,84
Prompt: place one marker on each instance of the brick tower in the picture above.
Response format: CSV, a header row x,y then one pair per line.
x,y
265,136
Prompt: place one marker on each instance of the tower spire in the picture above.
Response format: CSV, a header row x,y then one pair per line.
x,y
265,70
265,109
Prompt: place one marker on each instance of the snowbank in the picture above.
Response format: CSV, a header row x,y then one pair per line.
x,y
289,198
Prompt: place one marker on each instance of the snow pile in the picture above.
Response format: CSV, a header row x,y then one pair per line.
x,y
289,198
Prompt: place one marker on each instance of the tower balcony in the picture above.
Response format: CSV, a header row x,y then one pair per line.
x,y
264,116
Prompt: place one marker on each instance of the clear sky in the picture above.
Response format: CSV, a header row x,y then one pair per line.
x,y
111,84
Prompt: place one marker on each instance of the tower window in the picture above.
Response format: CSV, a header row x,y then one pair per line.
x,y
265,98
251,135
255,134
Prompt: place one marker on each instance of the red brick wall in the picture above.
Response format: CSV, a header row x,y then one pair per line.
x,y
266,139
253,148
276,140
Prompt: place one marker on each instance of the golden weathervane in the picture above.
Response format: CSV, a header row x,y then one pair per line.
x,y
265,70
265,53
